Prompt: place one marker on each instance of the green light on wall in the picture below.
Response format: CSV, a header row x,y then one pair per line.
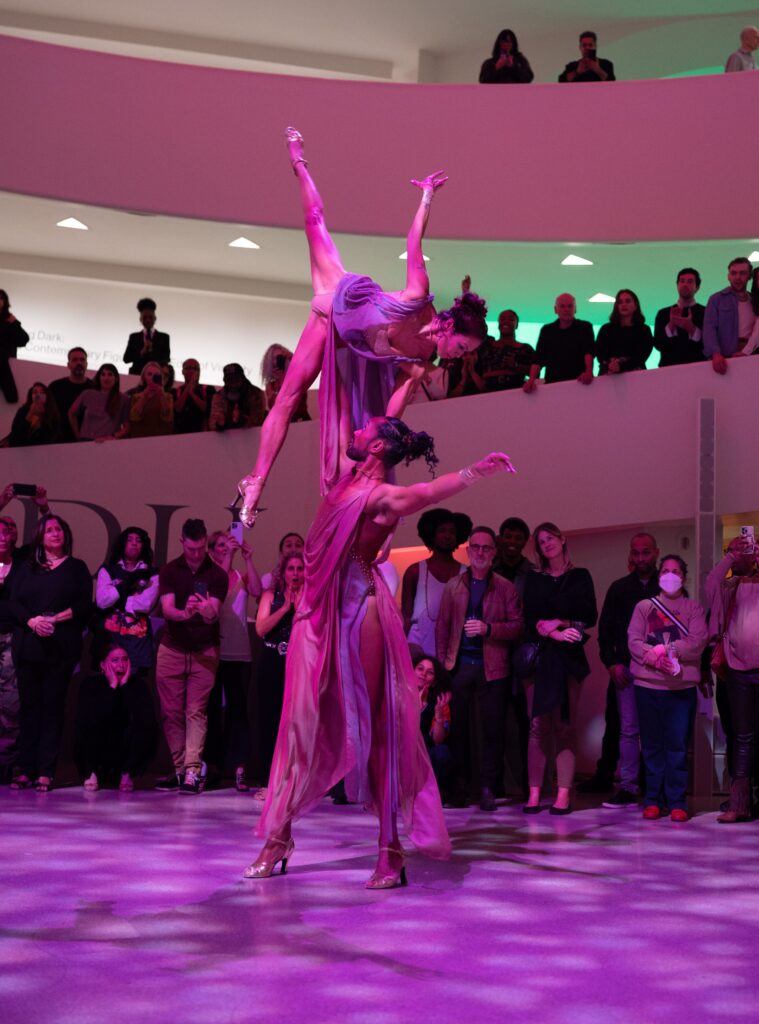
x,y
697,71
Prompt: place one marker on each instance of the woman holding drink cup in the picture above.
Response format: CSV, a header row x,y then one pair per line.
x,y
559,605
666,636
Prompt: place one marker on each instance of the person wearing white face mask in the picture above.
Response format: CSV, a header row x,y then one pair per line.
x,y
666,637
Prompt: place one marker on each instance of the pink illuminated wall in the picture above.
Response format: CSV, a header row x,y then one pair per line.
x,y
627,160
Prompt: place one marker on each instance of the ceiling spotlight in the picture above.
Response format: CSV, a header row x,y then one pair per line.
x,y
601,297
576,261
404,256
754,256
243,243
72,222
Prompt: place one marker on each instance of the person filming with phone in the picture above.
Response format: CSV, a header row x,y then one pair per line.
x,y
151,412
192,590
732,592
590,67
507,65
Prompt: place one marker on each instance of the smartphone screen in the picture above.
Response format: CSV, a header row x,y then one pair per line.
x,y
201,588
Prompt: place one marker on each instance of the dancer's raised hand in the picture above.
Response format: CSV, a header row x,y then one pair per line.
x,y
494,463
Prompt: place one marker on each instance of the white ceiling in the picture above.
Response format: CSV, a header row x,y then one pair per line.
x,y
429,39
392,39
195,254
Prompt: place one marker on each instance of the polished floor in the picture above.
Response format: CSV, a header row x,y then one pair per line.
x,y
130,908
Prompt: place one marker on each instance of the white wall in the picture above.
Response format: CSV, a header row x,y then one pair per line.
x,y
216,328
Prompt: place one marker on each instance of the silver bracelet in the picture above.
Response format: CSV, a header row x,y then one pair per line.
x,y
467,475
427,195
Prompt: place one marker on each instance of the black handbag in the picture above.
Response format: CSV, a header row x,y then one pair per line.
x,y
524,661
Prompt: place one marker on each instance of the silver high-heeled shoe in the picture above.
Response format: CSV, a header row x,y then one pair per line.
x,y
264,867
248,512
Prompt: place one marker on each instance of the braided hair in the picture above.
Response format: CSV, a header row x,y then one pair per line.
x,y
404,445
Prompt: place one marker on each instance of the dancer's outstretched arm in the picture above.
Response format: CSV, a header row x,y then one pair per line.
x,y
388,503
417,280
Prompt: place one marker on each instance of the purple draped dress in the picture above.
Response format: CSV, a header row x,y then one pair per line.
x,y
360,365
326,727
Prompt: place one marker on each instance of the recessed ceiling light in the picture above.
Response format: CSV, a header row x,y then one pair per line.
x,y
243,243
754,256
576,261
404,256
601,297
72,222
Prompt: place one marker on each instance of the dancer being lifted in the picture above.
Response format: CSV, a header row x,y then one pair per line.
x,y
360,338
351,704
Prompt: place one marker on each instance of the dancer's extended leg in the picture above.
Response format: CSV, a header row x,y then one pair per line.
x,y
326,271
387,874
326,265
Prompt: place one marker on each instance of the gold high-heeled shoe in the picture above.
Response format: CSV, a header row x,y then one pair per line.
x,y
392,880
264,866
248,512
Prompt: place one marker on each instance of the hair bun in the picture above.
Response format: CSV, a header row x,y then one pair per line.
x,y
472,303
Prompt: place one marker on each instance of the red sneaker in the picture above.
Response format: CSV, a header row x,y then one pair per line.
x,y
652,812
679,814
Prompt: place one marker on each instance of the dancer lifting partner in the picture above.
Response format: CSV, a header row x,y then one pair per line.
x,y
351,704
367,344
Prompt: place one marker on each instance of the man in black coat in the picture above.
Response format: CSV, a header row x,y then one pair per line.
x,y
147,345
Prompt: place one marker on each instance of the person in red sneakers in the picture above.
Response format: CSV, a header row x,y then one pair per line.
x,y
666,636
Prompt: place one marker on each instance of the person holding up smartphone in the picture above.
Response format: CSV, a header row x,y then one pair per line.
x,y
507,65
273,369
227,746
678,329
590,68
191,590
151,411
12,338
733,598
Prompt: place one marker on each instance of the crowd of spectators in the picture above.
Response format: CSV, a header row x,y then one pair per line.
x,y
77,408
507,65
567,348
151,645
498,648
500,660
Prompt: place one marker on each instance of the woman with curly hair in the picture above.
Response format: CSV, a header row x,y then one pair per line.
x,y
359,338
435,698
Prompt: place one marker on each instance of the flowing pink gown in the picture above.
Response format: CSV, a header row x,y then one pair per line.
x,y
326,726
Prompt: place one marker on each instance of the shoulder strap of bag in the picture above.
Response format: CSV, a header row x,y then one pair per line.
x,y
670,615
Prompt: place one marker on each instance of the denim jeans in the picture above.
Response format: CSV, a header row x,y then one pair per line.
x,y
629,736
665,718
